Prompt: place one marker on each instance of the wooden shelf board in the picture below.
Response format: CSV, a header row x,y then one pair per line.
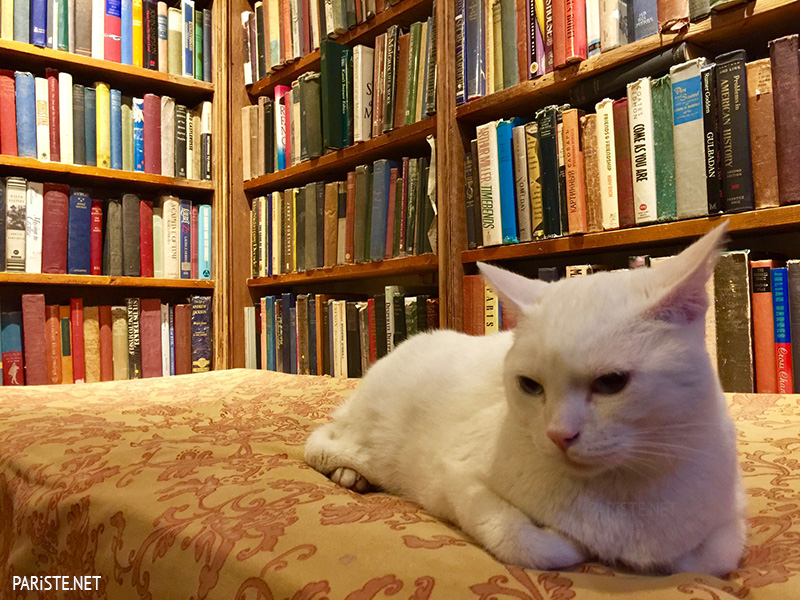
x,y
101,175
405,13
103,280
757,221
408,265
730,24
87,69
394,142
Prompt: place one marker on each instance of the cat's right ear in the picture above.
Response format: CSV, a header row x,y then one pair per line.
x,y
515,291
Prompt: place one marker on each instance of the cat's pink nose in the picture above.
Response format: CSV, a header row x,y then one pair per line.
x,y
563,438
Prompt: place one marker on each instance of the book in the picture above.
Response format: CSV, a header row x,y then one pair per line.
x,y
126,32
112,40
622,148
152,133
103,123
33,227
96,238
8,113
119,342
187,57
673,15
170,210
607,164
594,207
175,41
763,326
613,24
575,171
106,343
33,330
793,269
91,344
11,344
146,238
150,337
508,212
711,137
783,53
489,184
53,343
640,119
131,256
763,150
79,233
112,242
168,124
16,206
65,127
534,179
115,115
133,315
77,341
782,329
25,105
90,125
42,119
185,215
734,322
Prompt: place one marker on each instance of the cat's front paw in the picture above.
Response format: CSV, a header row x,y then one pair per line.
x,y
350,479
544,549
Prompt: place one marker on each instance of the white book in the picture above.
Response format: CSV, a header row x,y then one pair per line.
x,y
491,310
54,39
168,136
689,139
314,17
521,186
613,24
606,153
277,231
340,336
175,37
158,241
640,124
119,341
592,27
187,52
390,291
263,232
65,117
34,211
165,355
579,271
190,145
272,16
16,205
250,337
171,226
294,13
42,119
489,180
330,26
98,28
248,67
71,25
363,72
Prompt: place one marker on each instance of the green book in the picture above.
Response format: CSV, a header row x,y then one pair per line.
x,y
361,213
127,133
198,46
331,76
390,79
666,201
63,25
411,206
509,40
398,216
347,96
414,41
310,114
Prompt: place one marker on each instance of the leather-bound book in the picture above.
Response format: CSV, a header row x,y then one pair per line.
x,y
8,114
79,233
106,343
622,148
673,15
112,242
34,340
52,326
96,238
763,151
133,308
78,348
131,265
150,332
54,228
152,134
91,343
786,95
183,339
734,322
54,114
594,208
331,224
145,237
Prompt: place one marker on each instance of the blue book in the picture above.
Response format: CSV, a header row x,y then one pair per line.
x,y
474,49
505,163
645,19
380,208
783,329
270,333
116,129
22,21
188,38
186,239
287,302
461,80
126,32
138,134
11,341
171,339
79,228
204,241
90,124
39,23
312,335
25,97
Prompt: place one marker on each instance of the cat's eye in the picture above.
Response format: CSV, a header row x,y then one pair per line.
x,y
611,383
529,386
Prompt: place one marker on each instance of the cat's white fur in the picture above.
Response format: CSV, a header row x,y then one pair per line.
x,y
651,482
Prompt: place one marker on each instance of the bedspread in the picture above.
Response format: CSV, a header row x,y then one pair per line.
x,y
194,487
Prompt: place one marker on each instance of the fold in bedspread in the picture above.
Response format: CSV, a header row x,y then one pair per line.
x,y
194,487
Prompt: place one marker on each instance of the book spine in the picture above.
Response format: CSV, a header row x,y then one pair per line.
x,y
103,124
201,334
126,32
53,343
187,64
763,327
644,19
133,312
505,170
16,204
63,129
78,348
116,129
613,24
138,135
111,31
204,242
90,125
42,119
33,227
534,180
523,199
207,33
783,332
575,27
711,139
591,158
146,239
185,239
793,282
548,164
33,330
785,63
663,147
96,239
12,358
475,49
763,152
150,26
38,12
608,164
131,243
26,114
575,167
490,225
622,146
640,118
79,233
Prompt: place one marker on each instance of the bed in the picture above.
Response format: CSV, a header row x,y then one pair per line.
x,y
194,487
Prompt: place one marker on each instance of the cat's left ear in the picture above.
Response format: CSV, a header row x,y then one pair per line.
x,y
515,291
682,280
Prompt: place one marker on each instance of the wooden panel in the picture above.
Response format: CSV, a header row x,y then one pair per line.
x,y
409,265
38,279
767,220
336,164
18,56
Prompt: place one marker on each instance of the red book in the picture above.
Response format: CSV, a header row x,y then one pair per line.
x,y
764,326
474,304
96,248
305,33
52,105
390,213
559,33
112,40
152,134
52,326
183,339
350,220
78,356
33,336
195,216
403,207
106,347
146,238
54,228
523,43
8,113
622,145
373,340
286,37
575,30
150,332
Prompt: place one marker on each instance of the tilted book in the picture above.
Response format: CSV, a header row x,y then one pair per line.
x,y
640,119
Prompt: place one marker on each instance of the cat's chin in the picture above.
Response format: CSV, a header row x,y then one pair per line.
x,y
583,469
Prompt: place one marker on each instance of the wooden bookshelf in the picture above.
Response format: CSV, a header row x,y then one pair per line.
x,y
716,32
408,265
99,176
28,56
392,144
404,12
49,279
766,220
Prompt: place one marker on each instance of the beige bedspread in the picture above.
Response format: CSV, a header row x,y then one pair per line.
x,y
194,487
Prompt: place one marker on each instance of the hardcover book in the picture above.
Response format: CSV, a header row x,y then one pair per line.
x,y
763,151
785,63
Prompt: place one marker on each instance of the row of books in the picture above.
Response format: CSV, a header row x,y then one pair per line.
x,y
384,210
142,33
51,119
357,95
708,138
754,308
278,32
502,42
320,335
52,228
44,344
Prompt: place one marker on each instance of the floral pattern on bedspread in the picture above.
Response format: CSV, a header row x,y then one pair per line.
x,y
194,487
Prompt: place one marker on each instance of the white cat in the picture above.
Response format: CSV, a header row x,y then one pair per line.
x,y
597,429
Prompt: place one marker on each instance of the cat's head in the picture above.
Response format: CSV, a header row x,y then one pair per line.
x,y
611,371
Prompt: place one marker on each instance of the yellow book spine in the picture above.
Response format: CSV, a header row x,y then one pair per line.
x,y
119,342
66,344
138,34
103,113
293,200
7,19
